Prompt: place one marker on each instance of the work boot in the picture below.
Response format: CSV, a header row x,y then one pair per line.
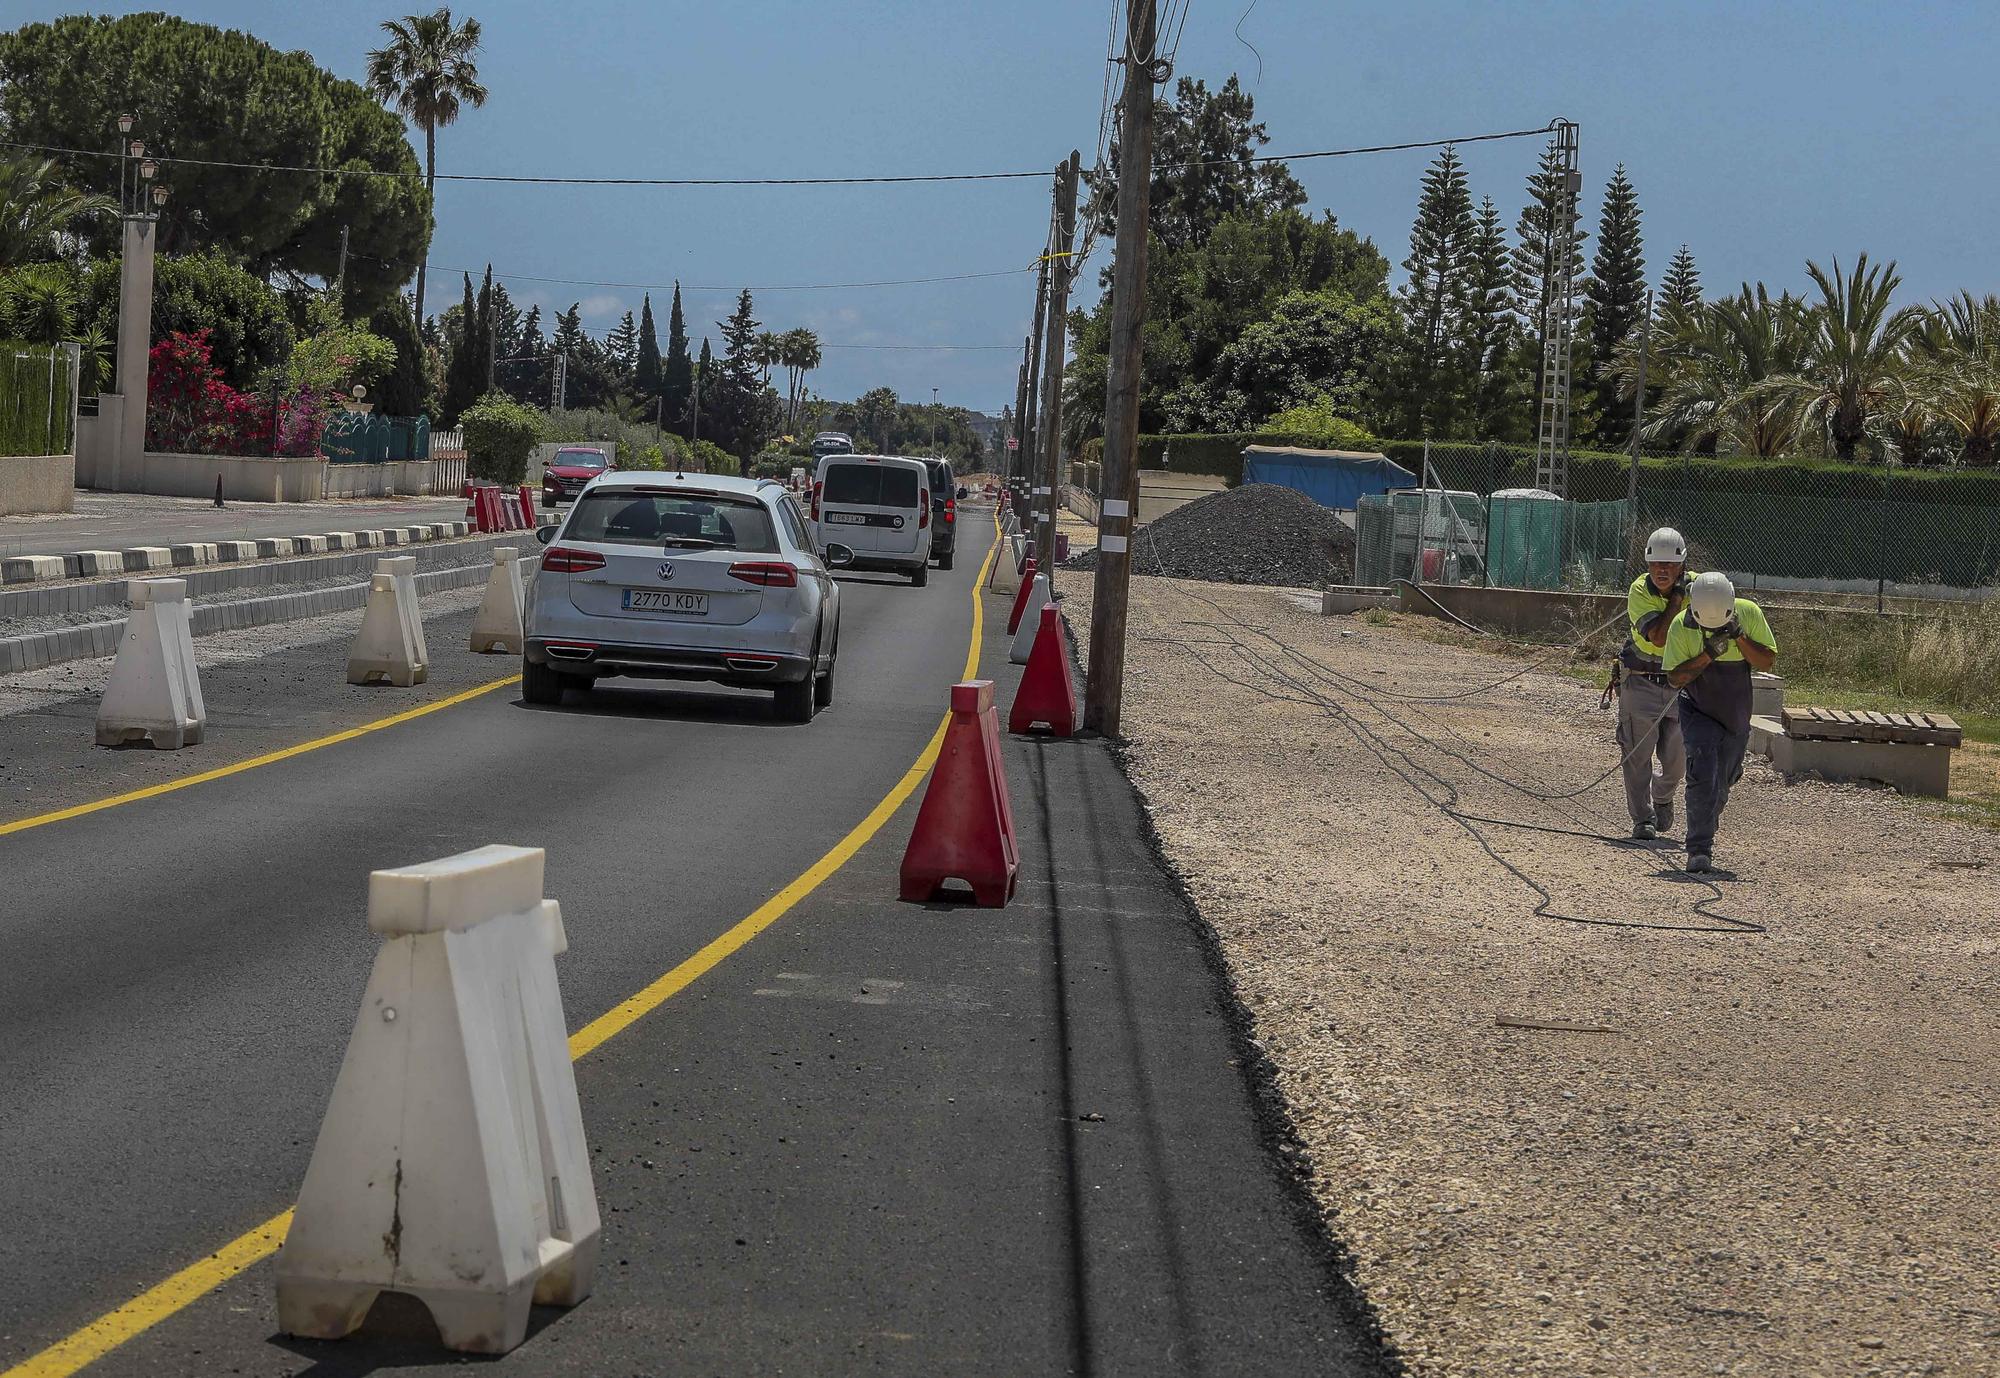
x,y
1642,832
1699,861
1663,817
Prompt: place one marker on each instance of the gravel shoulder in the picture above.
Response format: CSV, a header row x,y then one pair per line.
x,y
1778,1155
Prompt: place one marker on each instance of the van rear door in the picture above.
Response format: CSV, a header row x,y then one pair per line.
x,y
870,507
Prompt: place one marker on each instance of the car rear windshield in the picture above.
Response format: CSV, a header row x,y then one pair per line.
x,y
940,479
871,485
582,459
618,516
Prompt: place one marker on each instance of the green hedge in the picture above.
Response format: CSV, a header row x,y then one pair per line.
x,y
35,403
500,434
1594,475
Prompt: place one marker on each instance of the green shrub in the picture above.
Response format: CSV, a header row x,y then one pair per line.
x,y
1327,430
34,400
500,435
711,458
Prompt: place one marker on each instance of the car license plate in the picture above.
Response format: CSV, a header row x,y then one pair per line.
x,y
666,600
848,518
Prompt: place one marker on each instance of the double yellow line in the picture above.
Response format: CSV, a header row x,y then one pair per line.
x,y
83,1347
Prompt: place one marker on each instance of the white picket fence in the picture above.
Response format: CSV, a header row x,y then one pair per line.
x,y
447,443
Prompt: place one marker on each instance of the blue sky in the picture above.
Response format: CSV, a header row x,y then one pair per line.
x,y
1758,134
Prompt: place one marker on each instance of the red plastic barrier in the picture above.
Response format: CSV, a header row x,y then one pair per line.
x,y
1047,694
965,828
527,507
1027,556
1021,595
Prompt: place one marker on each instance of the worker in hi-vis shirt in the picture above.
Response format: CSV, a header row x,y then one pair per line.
x,y
1711,650
1648,720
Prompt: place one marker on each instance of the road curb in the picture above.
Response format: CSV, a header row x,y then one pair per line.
x,y
86,564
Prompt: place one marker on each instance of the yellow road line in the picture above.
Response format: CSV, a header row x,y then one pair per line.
x,y
76,1351
21,825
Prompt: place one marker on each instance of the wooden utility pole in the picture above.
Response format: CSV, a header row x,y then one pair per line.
x,y
1105,689
1020,454
1048,441
1030,466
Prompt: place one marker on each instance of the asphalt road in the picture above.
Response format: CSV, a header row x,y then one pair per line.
x,y
120,521
880,1137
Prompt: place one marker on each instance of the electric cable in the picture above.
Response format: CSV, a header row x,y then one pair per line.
x,y
441,268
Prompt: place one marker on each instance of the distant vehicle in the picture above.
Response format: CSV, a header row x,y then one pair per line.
x,y
832,443
570,469
879,508
797,482
944,511
684,577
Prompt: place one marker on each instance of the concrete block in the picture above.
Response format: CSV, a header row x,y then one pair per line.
x,y
1764,729
275,547
154,695
1031,621
193,553
231,551
91,563
459,528
393,535
1909,768
26,569
389,648
1767,694
498,626
367,540
341,540
140,559
452,1164
1337,602
413,534
310,545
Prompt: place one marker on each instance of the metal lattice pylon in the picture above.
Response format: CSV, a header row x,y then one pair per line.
x,y
1552,438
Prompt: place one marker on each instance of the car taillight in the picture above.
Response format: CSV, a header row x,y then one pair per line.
x,y
562,559
772,574
923,509
950,511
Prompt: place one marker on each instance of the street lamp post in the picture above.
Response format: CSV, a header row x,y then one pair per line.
x,y
934,416
141,201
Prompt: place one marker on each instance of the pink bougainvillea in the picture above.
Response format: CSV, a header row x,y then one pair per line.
x,y
191,410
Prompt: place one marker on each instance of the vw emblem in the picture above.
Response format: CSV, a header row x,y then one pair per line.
x,y
667,571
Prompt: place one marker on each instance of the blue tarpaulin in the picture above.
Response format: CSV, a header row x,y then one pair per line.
x,y
1331,478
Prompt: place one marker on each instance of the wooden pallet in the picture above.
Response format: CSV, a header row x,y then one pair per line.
x,y
1861,725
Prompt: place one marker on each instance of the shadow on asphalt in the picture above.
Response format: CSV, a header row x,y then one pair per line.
x,y
398,1333
748,707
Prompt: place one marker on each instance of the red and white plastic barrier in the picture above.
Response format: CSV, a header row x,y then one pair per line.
x,y
1046,696
965,828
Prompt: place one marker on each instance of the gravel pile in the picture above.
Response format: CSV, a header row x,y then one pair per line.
x,y
1257,534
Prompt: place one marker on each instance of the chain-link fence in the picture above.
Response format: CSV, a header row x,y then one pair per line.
x,y
1806,525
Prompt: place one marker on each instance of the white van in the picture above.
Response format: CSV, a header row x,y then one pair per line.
x,y
879,508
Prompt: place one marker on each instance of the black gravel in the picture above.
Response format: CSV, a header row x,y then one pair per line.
x,y
1260,533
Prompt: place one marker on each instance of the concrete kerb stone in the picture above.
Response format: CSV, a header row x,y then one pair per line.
x,y
91,563
230,552
192,553
271,547
340,540
394,535
367,540
143,558
26,569
311,545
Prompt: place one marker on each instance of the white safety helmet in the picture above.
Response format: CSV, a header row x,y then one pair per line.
x,y
1712,600
1666,544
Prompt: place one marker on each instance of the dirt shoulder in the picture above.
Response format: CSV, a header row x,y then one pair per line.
x,y
1779,1156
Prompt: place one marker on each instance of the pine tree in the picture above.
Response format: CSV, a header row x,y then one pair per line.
x,y
1435,302
701,384
532,343
507,323
1682,284
1537,258
1617,296
569,331
465,371
622,344
1488,337
677,373
402,393
646,369
742,402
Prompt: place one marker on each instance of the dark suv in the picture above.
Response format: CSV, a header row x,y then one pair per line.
x,y
944,504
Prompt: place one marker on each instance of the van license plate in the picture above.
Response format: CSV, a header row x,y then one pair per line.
x,y
848,518
666,600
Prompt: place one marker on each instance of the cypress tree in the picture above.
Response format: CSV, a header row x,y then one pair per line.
x,y
646,375
1682,284
1617,296
677,373
1488,337
701,381
402,392
461,381
1435,302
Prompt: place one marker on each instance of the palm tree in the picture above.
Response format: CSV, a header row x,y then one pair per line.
x,y
1955,356
799,352
1718,362
1856,351
36,208
427,70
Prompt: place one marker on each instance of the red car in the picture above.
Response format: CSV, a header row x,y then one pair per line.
x,y
570,468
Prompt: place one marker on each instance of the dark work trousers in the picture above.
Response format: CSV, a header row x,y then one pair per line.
x,y
1715,764
1649,725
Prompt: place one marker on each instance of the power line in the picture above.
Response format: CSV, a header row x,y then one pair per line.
x,y
874,180
700,287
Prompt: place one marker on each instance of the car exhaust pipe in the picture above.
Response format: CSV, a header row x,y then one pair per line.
x,y
569,652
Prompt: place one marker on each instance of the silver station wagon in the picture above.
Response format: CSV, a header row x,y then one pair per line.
x,y
684,577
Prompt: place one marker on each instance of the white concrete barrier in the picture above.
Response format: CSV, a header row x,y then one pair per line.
x,y
452,1165
93,562
390,647
154,694
194,553
1031,621
501,616
273,547
141,558
231,551
27,569
340,540
310,545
